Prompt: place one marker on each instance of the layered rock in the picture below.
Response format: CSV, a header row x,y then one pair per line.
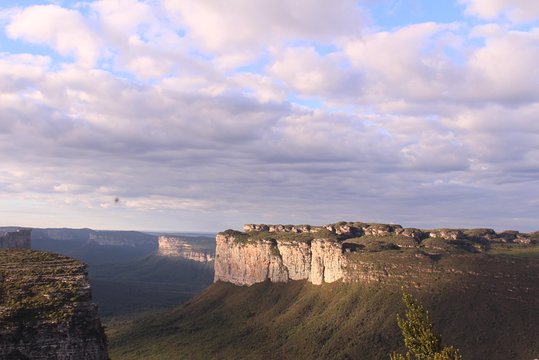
x,y
344,251
46,310
248,262
174,246
19,239
327,261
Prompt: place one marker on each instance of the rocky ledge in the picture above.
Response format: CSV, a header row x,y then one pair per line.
x,y
46,310
356,251
175,246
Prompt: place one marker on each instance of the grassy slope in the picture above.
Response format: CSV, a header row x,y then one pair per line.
x,y
332,321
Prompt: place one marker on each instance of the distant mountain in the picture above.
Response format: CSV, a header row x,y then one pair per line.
x,y
95,246
126,274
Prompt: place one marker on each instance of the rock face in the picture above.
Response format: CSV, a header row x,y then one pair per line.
x,y
46,310
246,263
175,246
20,239
327,261
344,251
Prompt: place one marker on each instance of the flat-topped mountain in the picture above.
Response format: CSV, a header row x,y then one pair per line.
x,y
354,251
46,308
333,291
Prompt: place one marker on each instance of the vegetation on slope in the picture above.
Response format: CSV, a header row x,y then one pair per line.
x,y
331,321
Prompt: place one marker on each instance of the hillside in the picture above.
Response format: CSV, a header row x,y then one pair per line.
x,y
491,316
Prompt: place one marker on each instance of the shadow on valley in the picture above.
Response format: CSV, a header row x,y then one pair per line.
x,y
126,275
154,282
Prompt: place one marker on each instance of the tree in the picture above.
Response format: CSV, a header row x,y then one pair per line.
x,y
419,337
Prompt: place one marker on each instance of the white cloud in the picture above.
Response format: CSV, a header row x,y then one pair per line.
x,y
65,30
239,29
515,10
141,41
504,69
426,121
312,74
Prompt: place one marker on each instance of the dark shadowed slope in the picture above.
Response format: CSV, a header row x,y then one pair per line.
x,y
486,319
154,282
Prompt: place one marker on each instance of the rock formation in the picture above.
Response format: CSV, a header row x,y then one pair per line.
x,y
175,246
20,239
46,310
346,251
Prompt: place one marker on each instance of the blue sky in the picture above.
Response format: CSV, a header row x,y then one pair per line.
x,y
201,117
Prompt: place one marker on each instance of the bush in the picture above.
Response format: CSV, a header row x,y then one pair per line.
x,y
419,337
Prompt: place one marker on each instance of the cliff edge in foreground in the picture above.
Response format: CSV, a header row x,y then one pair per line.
x,y
46,310
360,252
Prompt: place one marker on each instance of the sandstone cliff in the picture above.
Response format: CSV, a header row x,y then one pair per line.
x,y
46,310
19,239
352,252
197,250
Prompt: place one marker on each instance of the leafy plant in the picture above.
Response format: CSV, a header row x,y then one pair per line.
x,y
419,337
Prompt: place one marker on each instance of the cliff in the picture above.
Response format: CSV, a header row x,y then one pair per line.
x,y
19,239
358,252
196,250
46,310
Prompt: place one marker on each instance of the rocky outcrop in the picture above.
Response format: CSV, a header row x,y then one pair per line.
x,y
46,310
327,261
345,251
249,262
19,239
174,246
296,258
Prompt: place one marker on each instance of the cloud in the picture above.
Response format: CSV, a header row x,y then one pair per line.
x,y
308,73
514,10
240,29
65,30
203,116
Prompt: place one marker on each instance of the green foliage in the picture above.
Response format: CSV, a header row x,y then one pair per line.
x,y
419,337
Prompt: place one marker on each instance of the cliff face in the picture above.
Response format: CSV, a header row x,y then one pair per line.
x,y
175,246
20,239
353,252
246,263
46,310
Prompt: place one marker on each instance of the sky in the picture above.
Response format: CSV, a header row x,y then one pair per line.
x,y
205,115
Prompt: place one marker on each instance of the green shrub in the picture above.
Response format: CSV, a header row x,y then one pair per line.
x,y
419,337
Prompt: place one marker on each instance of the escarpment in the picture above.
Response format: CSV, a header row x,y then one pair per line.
x,y
46,310
362,252
175,246
20,239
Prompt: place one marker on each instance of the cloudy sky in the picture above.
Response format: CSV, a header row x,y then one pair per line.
x,y
204,115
